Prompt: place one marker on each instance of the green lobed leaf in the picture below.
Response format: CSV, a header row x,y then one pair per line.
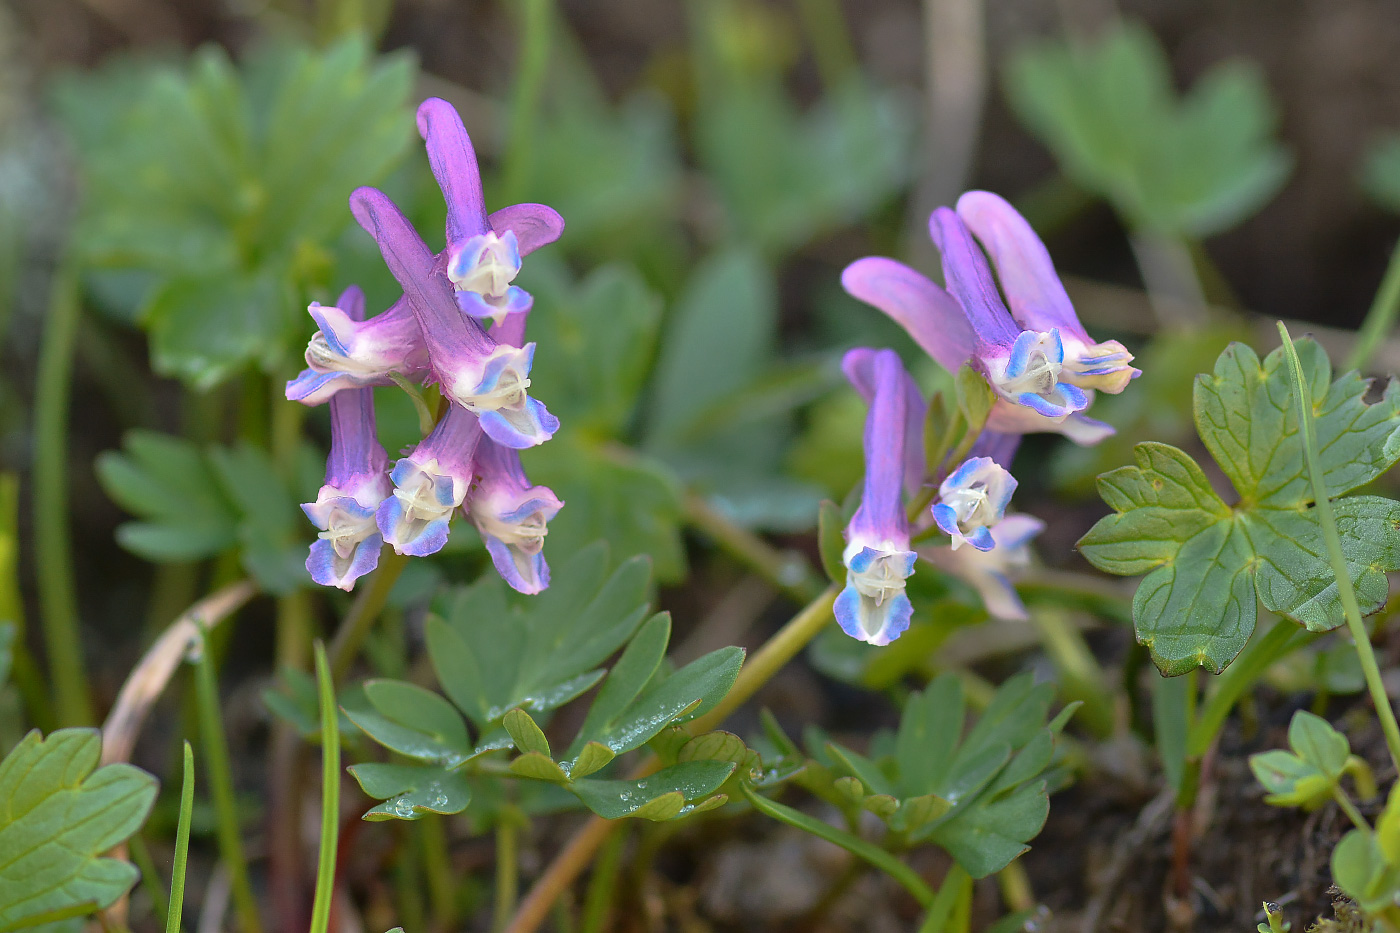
x,y
57,817
169,484
492,657
628,677
411,791
689,692
1207,563
981,796
688,780
1193,164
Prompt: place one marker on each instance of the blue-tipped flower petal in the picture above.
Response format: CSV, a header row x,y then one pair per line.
x,y
430,483
487,308
873,606
349,352
1036,296
512,516
972,499
990,571
864,614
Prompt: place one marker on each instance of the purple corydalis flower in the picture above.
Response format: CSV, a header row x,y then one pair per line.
x,y
1036,296
989,571
430,483
873,607
349,352
348,546
971,500
512,516
488,379
483,254
859,368
968,323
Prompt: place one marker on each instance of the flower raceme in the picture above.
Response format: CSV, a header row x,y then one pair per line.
x,y
1043,369
1036,355
435,333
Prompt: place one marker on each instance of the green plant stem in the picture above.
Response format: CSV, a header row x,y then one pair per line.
x,y
1239,677
216,757
330,795
535,27
182,846
366,608
579,851
1079,672
770,658
1169,275
940,911
886,862
438,868
1380,319
23,670
507,867
598,899
1350,810
831,41
53,546
788,572
150,878
1350,608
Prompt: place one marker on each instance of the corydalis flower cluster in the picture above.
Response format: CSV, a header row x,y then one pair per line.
x,y
1043,369
436,333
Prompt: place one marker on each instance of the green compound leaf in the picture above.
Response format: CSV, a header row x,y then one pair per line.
x,y
410,791
1306,776
57,815
1190,164
492,657
982,796
1206,562
662,796
171,486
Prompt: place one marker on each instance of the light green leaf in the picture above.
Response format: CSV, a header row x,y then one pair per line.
x,y
526,733
540,767
714,746
1207,563
57,816
410,791
1361,871
592,758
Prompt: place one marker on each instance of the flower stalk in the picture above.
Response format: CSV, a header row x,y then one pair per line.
x,y
1345,592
